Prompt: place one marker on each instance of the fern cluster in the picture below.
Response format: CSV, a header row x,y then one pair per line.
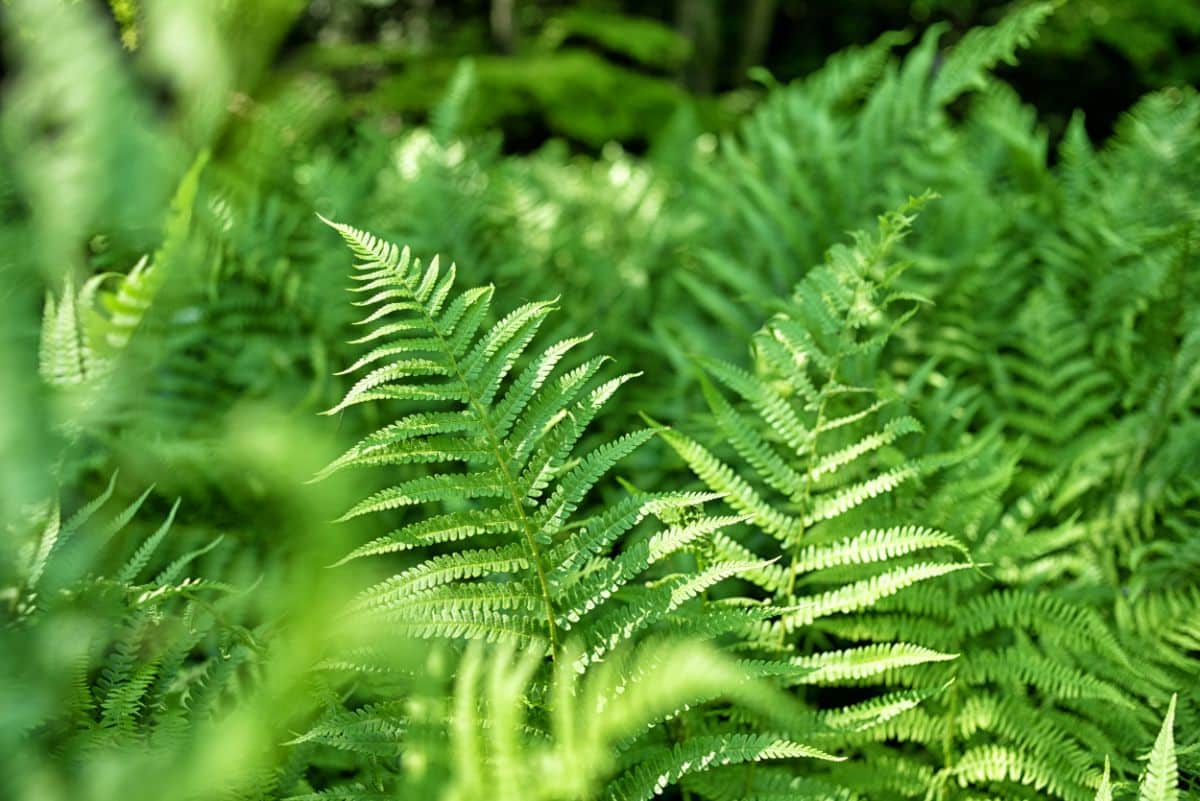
x,y
887,490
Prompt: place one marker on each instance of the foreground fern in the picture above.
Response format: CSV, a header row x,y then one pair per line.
x,y
1161,777
493,727
520,567
818,438
514,566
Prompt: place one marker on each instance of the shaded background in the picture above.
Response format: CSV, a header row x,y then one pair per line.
x,y
591,72
1097,55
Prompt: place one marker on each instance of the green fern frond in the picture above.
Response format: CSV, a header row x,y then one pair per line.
x,y
983,48
1161,781
498,432
652,777
1104,791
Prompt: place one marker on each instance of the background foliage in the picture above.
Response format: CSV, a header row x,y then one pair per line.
x,y
715,415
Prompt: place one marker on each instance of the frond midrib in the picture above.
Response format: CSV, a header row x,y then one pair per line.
x,y
501,455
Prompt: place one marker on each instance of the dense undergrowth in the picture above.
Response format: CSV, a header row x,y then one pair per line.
x,y
852,455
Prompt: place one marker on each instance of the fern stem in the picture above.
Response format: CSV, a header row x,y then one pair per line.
x,y
502,458
806,496
949,727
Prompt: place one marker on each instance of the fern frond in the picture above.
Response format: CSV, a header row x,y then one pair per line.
x,y
983,48
1161,781
497,433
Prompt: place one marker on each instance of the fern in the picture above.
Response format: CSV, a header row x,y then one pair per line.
x,y
824,156
819,440
1160,781
86,332
128,683
933,536
516,430
516,567
982,48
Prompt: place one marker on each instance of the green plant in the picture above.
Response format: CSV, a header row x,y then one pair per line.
x,y
902,513
123,652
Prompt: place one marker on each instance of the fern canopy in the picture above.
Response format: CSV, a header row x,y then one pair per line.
x,y
839,444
